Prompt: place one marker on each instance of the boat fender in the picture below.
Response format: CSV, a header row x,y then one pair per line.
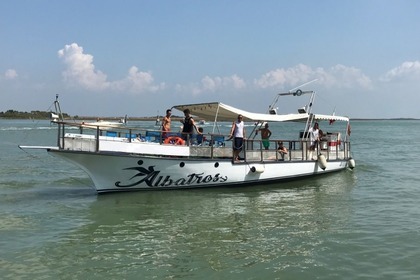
x,y
258,169
322,161
174,140
352,163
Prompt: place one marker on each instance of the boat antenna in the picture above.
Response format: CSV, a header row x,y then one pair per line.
x,y
294,91
310,82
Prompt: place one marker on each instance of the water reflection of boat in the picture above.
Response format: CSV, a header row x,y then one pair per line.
x,y
123,158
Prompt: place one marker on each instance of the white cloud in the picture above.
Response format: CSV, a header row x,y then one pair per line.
x,y
282,77
347,77
81,71
209,84
218,83
337,76
237,82
137,82
80,68
10,74
407,70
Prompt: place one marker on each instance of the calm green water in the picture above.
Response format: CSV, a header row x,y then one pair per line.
x,y
360,224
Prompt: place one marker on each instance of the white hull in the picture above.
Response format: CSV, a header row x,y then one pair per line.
x,y
122,158
115,172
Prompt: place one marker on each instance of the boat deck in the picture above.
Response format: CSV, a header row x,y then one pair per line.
x,y
215,147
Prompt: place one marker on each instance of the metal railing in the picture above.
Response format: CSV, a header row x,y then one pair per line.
x,y
208,145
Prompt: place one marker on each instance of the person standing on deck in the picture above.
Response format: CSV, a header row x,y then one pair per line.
x,y
314,135
188,126
265,135
238,133
166,123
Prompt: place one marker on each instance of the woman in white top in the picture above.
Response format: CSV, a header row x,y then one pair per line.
x,y
238,133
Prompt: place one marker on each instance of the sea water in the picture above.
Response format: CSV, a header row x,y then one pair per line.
x,y
355,224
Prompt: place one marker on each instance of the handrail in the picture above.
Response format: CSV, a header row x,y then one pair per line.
x,y
297,149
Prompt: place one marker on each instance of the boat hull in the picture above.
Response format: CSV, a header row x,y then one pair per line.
x,y
112,172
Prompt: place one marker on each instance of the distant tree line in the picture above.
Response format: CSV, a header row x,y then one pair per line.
x,y
12,114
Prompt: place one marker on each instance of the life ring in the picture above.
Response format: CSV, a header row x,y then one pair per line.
x,y
174,140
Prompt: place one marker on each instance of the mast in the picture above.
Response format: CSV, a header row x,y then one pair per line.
x,y
58,108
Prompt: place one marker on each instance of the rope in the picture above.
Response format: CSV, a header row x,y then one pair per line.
x,y
41,159
73,178
35,124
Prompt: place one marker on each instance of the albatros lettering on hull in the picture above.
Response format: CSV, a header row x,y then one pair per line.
x,y
152,178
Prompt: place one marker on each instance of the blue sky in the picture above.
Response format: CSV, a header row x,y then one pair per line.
x,y
111,58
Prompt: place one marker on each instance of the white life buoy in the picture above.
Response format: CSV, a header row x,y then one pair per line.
x,y
322,161
258,169
352,163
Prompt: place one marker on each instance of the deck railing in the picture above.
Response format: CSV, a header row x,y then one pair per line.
x,y
208,145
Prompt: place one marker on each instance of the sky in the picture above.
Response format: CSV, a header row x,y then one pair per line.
x,y
135,57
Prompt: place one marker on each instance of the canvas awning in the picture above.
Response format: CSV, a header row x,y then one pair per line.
x,y
217,111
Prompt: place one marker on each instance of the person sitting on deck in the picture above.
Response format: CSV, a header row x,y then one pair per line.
x,y
281,149
200,137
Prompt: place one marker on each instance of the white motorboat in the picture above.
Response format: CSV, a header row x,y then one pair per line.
x,y
129,158
57,116
104,125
